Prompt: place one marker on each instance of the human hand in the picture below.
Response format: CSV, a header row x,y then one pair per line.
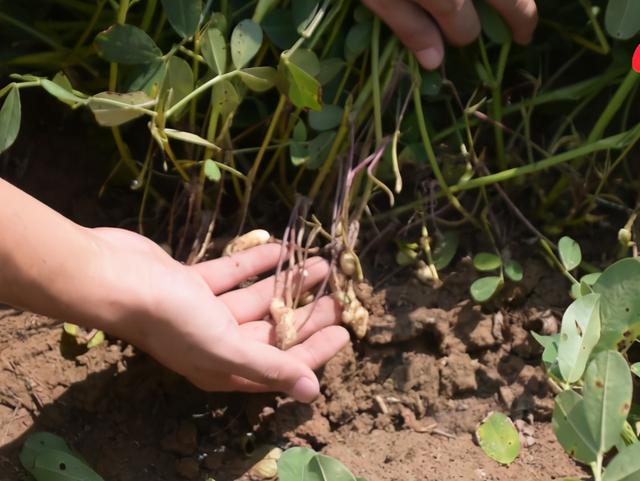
x,y
416,23
190,319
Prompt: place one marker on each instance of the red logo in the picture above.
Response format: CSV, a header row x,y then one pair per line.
x,y
635,63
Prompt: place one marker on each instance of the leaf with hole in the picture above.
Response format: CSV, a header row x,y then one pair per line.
x,y
38,443
127,45
607,398
259,79
183,15
212,171
326,119
214,50
445,249
110,114
246,40
579,334
625,466
622,18
619,285
10,118
513,270
52,465
292,462
485,261
499,438
493,25
325,468
570,253
485,288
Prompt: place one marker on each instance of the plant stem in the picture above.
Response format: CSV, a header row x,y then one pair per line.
x,y
246,199
203,88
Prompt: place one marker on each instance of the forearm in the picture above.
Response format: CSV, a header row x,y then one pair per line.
x,y
48,264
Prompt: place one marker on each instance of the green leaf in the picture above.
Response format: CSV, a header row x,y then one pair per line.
x,y
635,368
38,443
292,463
579,334
279,27
570,253
60,92
499,438
550,344
109,115
303,12
97,339
225,97
263,7
445,250
127,45
607,397
52,465
431,83
319,148
325,468
303,90
485,261
183,15
307,60
493,25
622,18
212,171
570,428
259,79
513,270
214,50
329,70
147,78
10,117
299,149
179,80
357,41
62,81
625,466
619,285
327,119
485,288
190,138
246,40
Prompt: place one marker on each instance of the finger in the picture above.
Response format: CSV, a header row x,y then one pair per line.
x,y
278,371
457,19
227,272
521,15
309,319
252,303
413,27
314,353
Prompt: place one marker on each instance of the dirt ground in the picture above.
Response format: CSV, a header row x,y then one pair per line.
x,y
401,405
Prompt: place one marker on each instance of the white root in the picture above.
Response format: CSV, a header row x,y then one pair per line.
x,y
283,317
247,241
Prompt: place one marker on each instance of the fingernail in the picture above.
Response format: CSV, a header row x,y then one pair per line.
x,y
305,390
430,58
